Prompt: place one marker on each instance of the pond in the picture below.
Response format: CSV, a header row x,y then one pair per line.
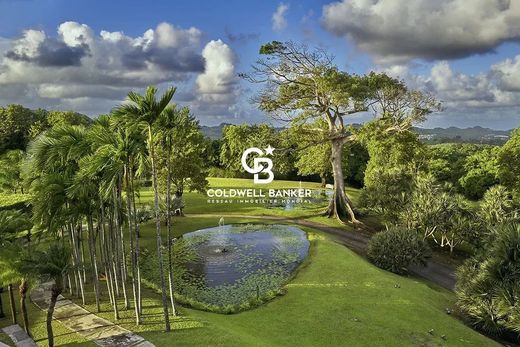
x,y
235,267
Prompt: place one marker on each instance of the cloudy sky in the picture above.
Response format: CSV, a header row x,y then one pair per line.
x,y
86,55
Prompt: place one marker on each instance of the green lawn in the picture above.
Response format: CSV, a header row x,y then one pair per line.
x,y
38,328
8,201
337,298
198,203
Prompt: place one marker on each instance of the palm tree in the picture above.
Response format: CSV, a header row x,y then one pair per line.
x,y
11,224
51,264
120,154
144,110
166,125
12,271
53,162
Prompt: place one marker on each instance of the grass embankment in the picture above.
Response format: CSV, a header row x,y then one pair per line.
x,y
336,299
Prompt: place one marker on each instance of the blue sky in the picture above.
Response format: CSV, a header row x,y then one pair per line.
x,y
466,56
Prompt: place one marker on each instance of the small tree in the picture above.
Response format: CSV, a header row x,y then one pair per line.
x,y
497,206
10,176
481,172
51,264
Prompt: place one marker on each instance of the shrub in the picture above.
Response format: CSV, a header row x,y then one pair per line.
x,y
388,193
396,249
488,285
497,206
438,214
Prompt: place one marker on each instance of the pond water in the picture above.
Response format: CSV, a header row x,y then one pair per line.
x,y
234,264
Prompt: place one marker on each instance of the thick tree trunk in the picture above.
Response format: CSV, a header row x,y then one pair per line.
x,y
158,231
12,303
55,292
340,206
24,287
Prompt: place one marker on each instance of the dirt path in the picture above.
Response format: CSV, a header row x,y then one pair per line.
x,y
438,273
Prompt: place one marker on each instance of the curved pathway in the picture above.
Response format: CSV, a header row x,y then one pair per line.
x,y
92,327
439,273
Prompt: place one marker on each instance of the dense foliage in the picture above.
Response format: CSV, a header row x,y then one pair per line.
x,y
488,285
19,125
397,249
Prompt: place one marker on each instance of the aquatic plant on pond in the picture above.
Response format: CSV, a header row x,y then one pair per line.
x,y
232,268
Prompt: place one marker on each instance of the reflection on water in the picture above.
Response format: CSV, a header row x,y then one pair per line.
x,y
229,253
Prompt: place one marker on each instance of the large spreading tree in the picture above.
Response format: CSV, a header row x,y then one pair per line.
x,y
302,85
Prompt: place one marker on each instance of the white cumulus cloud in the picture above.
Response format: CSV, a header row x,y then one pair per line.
x,y
279,22
92,72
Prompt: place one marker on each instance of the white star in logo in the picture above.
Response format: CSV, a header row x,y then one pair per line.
x,y
269,150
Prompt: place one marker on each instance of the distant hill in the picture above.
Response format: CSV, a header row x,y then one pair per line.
x,y
475,134
214,132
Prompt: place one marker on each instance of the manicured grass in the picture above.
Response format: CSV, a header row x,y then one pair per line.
x,y
197,203
13,200
38,328
336,299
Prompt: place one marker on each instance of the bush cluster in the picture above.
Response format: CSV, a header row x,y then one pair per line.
x,y
396,249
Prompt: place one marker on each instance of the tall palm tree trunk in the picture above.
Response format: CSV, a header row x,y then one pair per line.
x,y
122,243
132,251
110,275
81,246
77,263
12,302
113,252
169,226
158,231
93,259
136,230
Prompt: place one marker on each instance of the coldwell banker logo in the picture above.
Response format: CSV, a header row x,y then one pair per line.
x,y
260,164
